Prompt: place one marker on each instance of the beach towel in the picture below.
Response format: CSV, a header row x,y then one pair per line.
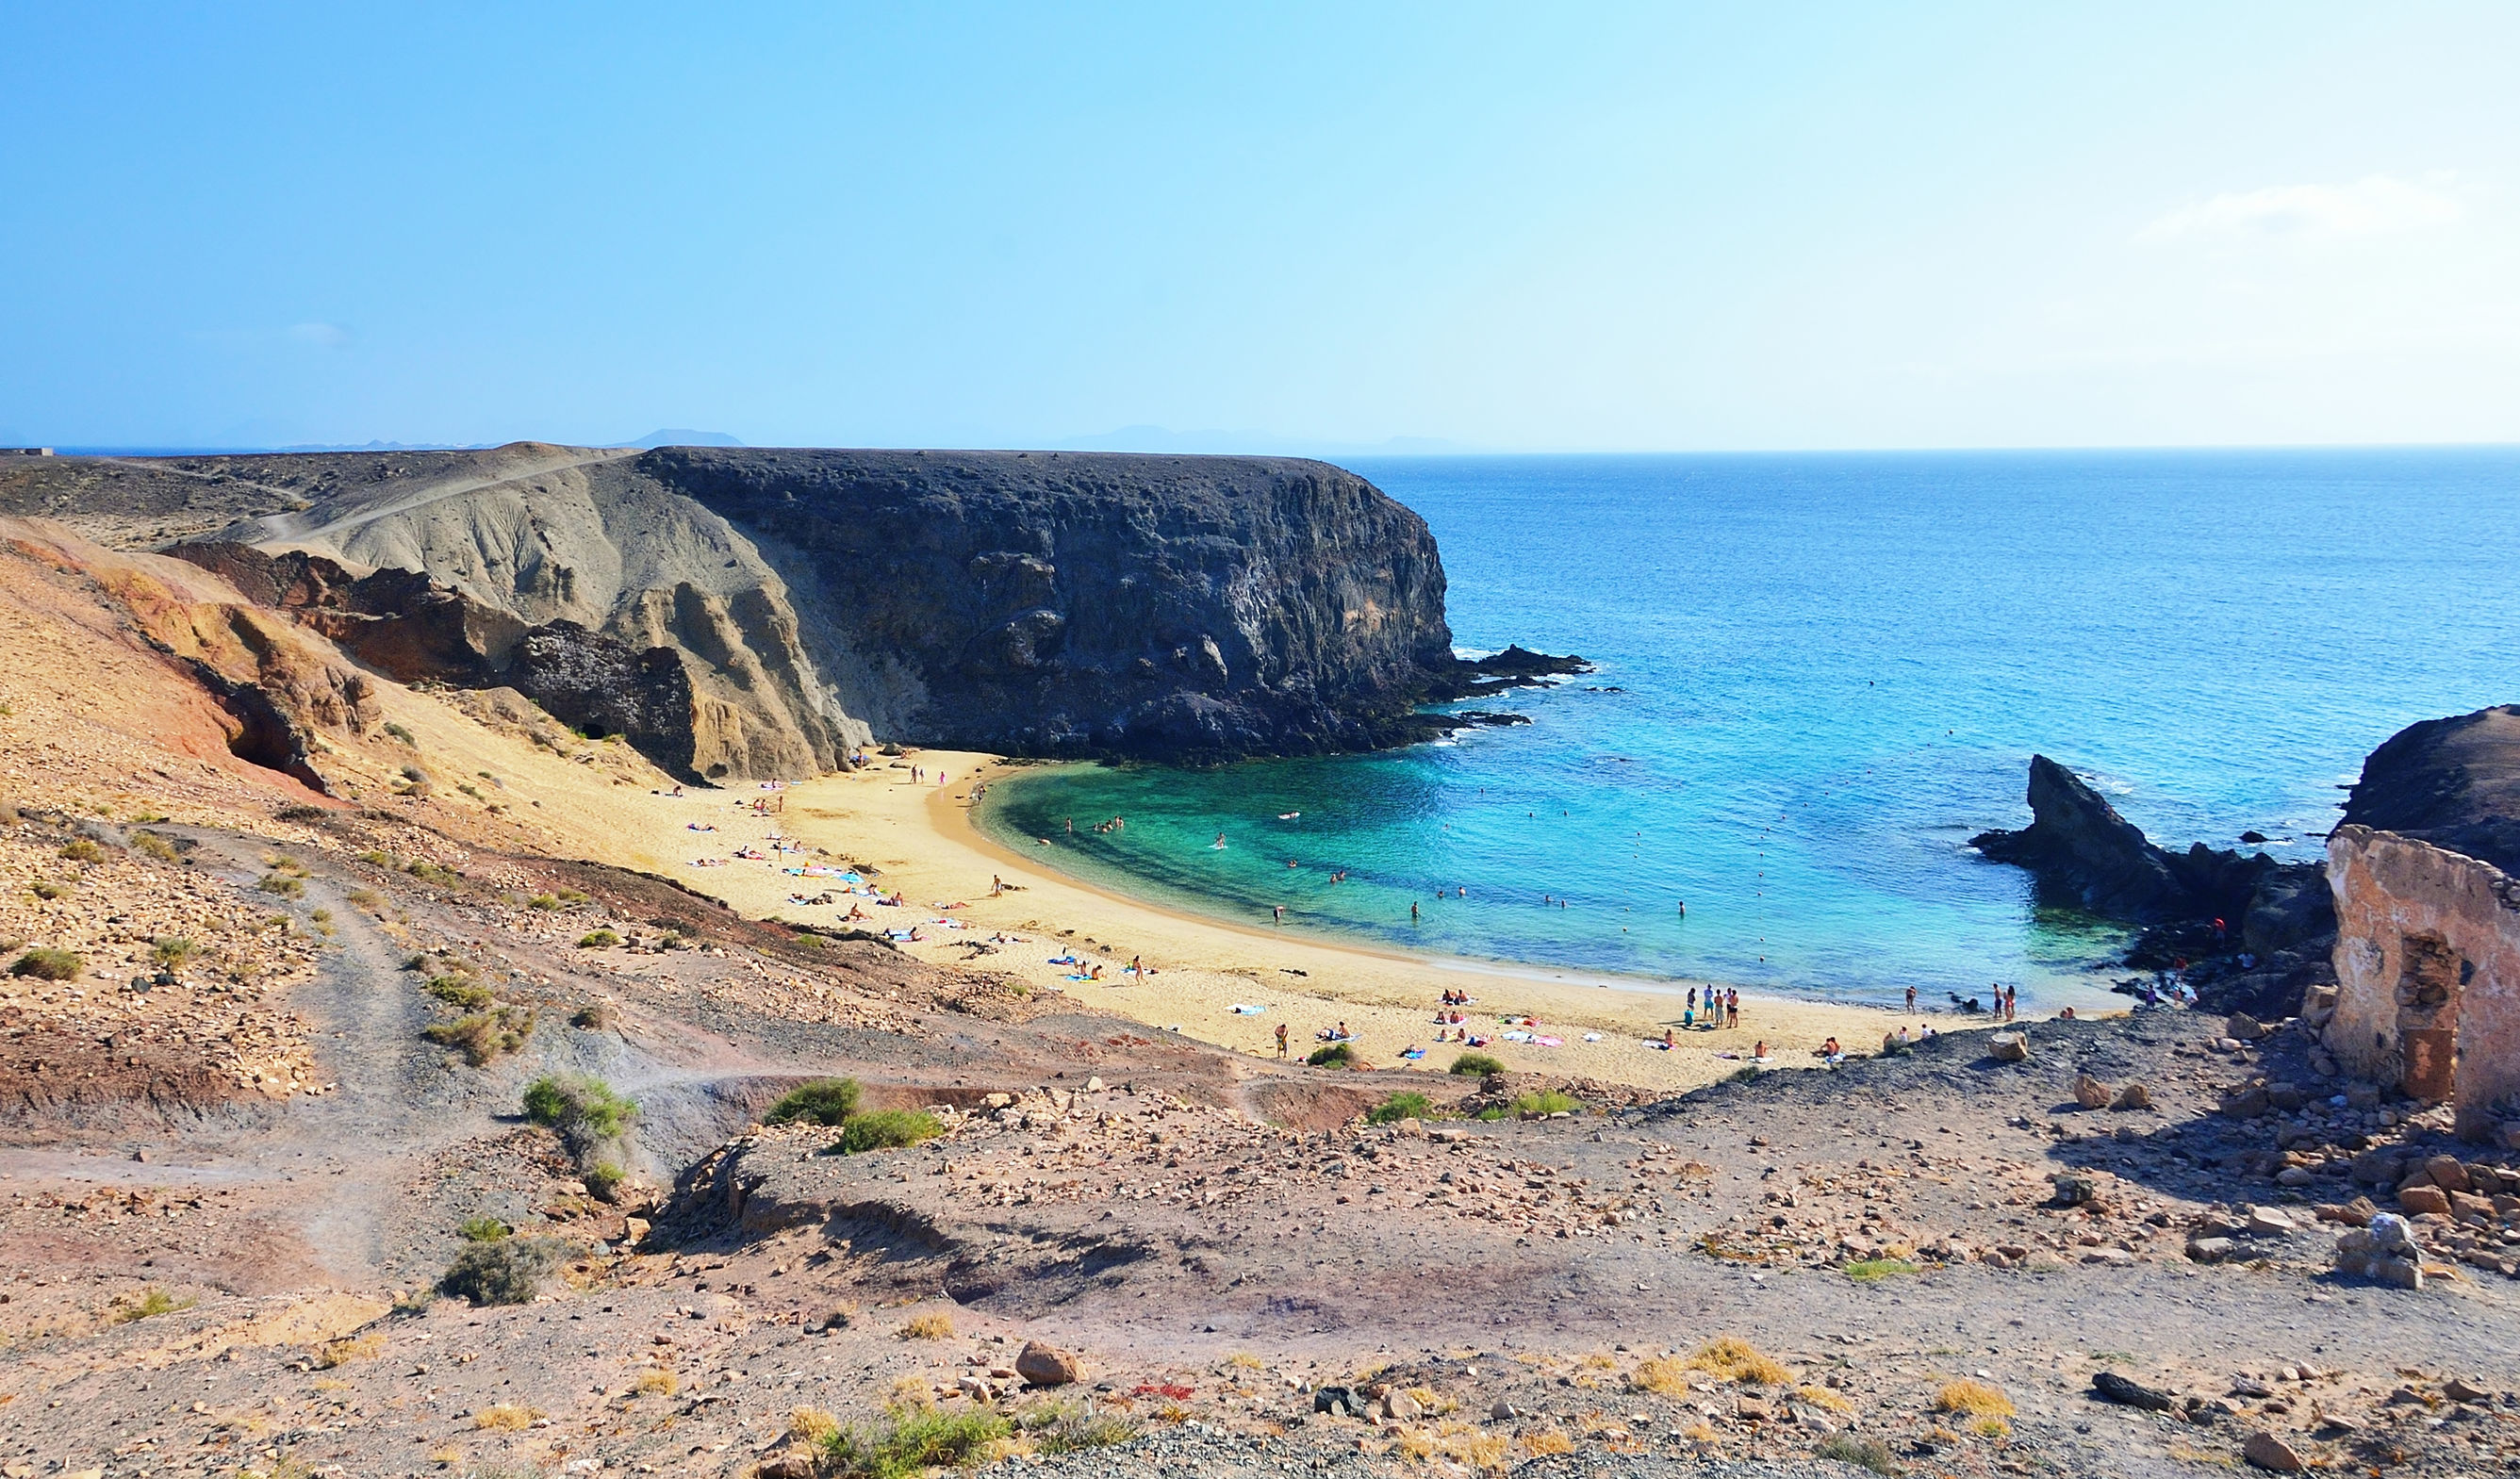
x,y
1592,1037
1549,1042
1518,1035
1241,1009
1413,1052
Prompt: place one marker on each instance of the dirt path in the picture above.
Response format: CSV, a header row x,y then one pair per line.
x,y
295,529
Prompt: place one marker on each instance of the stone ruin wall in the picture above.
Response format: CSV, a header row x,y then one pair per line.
x,y
2428,971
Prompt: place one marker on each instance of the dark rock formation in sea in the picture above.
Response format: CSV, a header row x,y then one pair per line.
x,y
2086,855
2452,782
2082,854
741,613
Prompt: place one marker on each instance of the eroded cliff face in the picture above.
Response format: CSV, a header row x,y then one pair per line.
x,y
757,613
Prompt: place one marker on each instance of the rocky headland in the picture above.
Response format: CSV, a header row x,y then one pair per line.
x,y
746,614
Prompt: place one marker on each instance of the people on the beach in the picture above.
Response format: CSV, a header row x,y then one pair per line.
x,y
1912,1001
1281,1040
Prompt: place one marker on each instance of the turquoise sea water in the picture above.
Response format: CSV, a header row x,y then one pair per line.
x,y
1831,672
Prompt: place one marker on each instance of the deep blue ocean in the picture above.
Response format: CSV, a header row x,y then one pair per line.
x,y
1819,675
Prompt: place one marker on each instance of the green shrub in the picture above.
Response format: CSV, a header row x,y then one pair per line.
x,y
281,884
1865,1271
574,1104
1547,1101
1062,1427
82,850
153,845
1863,1453
460,992
430,873
547,903
824,1101
593,1017
1334,1055
911,1441
403,734
598,939
1408,1103
46,888
46,965
1476,1066
152,1302
482,1229
170,952
506,1271
886,1130
603,1179
484,1035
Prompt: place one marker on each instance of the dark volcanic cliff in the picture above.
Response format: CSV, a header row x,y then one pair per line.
x,y
741,613
2453,783
1064,604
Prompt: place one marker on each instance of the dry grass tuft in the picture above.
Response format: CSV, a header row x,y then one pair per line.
x,y
659,1382
340,1353
504,1418
1822,1397
812,1425
1972,1399
926,1327
1545,1442
1729,1358
1662,1375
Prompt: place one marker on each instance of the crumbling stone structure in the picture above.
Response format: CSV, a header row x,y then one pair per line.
x,y
2428,971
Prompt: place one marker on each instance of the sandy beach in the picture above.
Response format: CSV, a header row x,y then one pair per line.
x,y
920,839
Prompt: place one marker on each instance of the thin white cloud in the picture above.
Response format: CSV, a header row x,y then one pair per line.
x,y
2375,206
321,336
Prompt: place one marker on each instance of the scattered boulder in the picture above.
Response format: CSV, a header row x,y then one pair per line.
x,y
2267,1221
2416,1198
1048,1365
1338,1402
2385,1251
2010,1046
2248,1103
2210,1250
2132,1096
2446,1173
2091,1093
2125,1391
2269,1452
2244,1028
1400,1407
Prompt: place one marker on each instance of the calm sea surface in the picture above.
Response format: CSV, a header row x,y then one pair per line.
x,y
1819,675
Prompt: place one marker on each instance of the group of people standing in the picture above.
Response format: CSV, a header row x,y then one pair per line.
x,y
1722,1008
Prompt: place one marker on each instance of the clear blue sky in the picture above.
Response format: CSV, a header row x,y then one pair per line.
x,y
1519,227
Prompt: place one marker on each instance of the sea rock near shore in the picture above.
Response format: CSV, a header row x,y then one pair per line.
x,y
2082,854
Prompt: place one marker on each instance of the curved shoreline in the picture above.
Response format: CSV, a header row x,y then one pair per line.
x,y
929,844
921,841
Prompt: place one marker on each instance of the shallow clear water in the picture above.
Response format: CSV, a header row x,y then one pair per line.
x,y
1832,671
